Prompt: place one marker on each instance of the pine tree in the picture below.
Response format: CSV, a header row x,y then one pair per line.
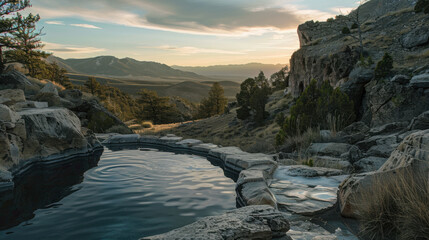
x,y
9,22
155,108
25,44
215,103
92,85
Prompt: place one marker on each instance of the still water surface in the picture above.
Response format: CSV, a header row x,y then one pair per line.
x,y
132,194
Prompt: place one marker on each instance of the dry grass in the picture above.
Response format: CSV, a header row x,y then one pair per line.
x,y
301,142
395,207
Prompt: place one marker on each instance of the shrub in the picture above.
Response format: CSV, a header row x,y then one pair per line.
x,y
384,66
280,119
345,30
395,207
99,122
354,26
312,108
147,124
422,6
330,20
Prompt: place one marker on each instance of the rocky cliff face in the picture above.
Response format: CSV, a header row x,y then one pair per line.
x,y
326,54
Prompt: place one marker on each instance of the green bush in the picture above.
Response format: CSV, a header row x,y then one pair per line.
x,y
99,122
384,66
280,119
355,26
345,30
312,108
330,20
422,6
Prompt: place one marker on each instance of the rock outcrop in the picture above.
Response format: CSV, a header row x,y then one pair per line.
x,y
32,133
411,156
253,222
326,54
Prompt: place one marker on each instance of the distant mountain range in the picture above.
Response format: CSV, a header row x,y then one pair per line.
x,y
239,70
131,68
125,67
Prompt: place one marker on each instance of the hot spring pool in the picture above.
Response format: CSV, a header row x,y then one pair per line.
x,y
130,194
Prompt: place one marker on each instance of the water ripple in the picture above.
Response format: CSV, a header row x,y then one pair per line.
x,y
131,194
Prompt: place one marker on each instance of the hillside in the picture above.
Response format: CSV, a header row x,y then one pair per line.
x,y
125,67
234,72
191,90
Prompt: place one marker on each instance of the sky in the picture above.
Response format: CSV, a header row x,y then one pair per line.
x,y
180,32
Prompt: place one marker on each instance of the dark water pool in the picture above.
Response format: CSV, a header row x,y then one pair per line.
x,y
130,194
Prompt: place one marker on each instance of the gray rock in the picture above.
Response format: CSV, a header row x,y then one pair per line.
x,y
51,131
401,79
332,162
388,128
355,128
11,96
7,115
411,156
255,193
369,164
366,144
253,222
29,104
306,171
72,95
420,81
49,88
328,149
383,151
14,80
352,155
416,37
355,86
421,122
5,176
325,135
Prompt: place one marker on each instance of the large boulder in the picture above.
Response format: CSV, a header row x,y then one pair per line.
x,y
415,37
328,149
11,96
49,88
51,131
253,222
7,115
14,80
421,122
411,156
97,118
420,81
388,102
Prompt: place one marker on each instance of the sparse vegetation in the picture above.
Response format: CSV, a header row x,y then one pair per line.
x,y
395,207
422,6
312,108
384,66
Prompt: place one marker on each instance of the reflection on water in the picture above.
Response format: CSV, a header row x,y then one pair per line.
x,y
130,194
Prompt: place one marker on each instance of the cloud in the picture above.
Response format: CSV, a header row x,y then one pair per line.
x,y
189,16
70,49
55,22
83,25
195,50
